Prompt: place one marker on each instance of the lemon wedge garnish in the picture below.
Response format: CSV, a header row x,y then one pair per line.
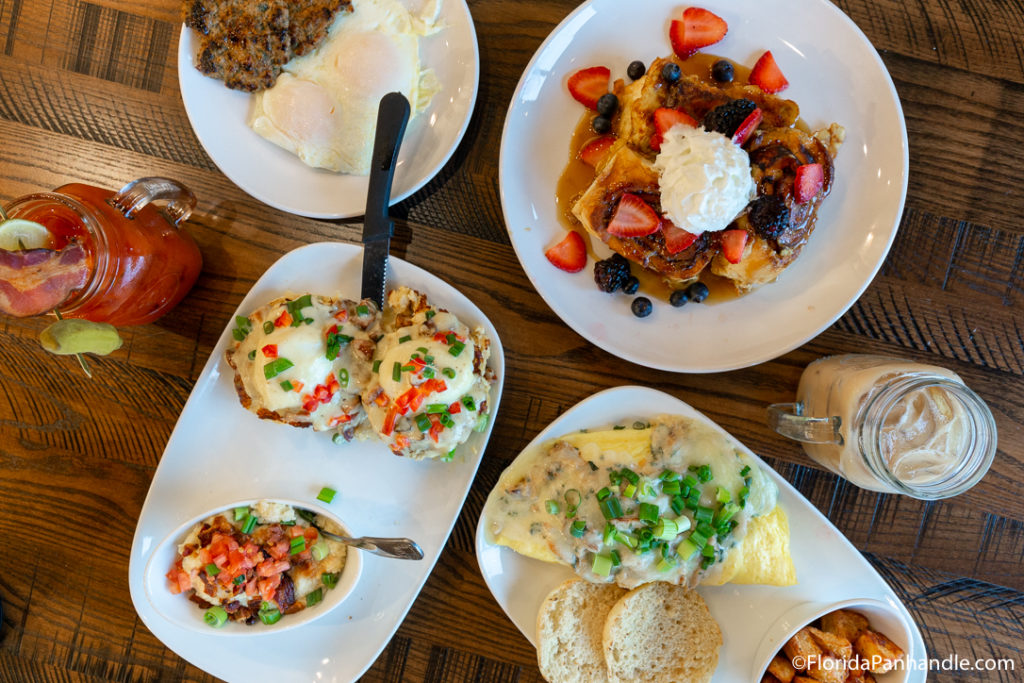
x,y
18,233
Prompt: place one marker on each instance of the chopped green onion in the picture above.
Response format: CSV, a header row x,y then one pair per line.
x,y
627,539
629,491
430,314
704,473
611,508
726,513
603,493
448,456
276,367
447,420
320,550
722,495
706,529
437,408
362,309
307,515
215,616
428,373
250,524
428,359
666,529
330,580
708,551
238,580
252,355
376,366
668,475
469,402
404,338
578,528
481,422
241,513
745,471
704,514
408,368
313,597
686,549
343,377
614,477
646,490
631,476
649,513
297,545
448,372
618,427
396,372
212,569
593,467
666,564
456,348
269,614
707,562
671,488
422,349
572,502
602,565
242,322
639,425
338,438
609,533
678,504
450,338
616,560
326,495
690,481
287,385
423,422
698,539
552,506
268,327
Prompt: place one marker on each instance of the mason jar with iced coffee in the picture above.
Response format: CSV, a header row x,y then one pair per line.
x,y
891,425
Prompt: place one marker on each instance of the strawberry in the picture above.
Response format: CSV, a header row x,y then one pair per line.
x,y
570,254
699,28
664,119
587,85
676,239
767,76
594,151
809,179
633,217
748,126
733,242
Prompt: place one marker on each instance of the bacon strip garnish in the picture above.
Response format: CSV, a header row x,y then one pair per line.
x,y
34,281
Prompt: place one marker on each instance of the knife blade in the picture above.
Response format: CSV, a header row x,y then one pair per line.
x,y
392,117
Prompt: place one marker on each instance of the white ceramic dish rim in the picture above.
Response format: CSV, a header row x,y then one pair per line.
x,y
540,577
352,189
314,651
567,306
168,605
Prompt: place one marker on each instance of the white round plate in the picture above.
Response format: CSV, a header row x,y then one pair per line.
x,y
834,74
280,179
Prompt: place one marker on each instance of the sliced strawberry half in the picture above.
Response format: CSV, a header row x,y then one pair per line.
x,y
676,239
633,217
748,126
570,254
733,242
767,75
587,85
809,179
592,152
664,119
698,29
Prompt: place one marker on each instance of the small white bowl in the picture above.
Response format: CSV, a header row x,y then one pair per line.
x,y
181,611
884,617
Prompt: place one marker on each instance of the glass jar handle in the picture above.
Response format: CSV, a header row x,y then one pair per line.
x,y
138,193
788,419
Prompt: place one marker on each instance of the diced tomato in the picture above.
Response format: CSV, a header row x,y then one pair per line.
x,y
310,535
389,421
310,403
278,550
268,587
333,384
270,350
401,441
295,531
283,320
342,315
455,408
204,556
333,329
250,588
381,399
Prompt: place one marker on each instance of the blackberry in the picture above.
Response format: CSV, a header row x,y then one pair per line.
x,y
636,69
768,215
611,273
722,71
726,118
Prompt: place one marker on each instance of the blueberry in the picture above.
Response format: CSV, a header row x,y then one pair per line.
x,y
607,105
642,307
631,285
722,71
601,124
697,292
679,298
671,72
636,69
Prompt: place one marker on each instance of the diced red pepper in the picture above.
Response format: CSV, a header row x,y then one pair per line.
x,y
297,386
339,419
389,421
455,408
342,315
283,320
270,350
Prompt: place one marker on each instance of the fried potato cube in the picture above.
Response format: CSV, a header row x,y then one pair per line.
x,y
781,669
829,642
801,647
803,679
768,678
845,624
880,653
828,669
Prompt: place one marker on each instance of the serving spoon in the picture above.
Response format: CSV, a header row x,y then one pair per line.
x,y
397,548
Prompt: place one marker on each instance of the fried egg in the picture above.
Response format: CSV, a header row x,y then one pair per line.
x,y
323,107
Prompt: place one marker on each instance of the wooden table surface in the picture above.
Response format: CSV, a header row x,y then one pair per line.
x,y
89,93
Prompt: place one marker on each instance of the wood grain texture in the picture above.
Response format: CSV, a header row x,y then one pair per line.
x,y
89,93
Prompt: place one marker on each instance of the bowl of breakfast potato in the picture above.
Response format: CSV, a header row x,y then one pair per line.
x,y
862,640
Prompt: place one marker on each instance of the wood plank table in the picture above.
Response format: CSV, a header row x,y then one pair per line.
x,y
89,93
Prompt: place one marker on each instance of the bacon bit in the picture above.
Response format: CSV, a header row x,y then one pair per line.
x,y
455,408
389,421
270,350
283,320
342,315
33,281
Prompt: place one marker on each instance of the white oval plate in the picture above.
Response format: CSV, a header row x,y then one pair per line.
x,y
220,452
835,75
280,179
828,567
187,614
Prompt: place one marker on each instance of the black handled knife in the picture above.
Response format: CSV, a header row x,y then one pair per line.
x,y
392,117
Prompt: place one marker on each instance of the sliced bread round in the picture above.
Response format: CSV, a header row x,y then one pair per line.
x,y
661,633
570,628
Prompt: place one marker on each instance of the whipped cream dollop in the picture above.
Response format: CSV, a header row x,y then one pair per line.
x,y
705,179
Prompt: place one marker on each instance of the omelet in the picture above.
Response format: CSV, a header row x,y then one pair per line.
x,y
323,107
673,500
